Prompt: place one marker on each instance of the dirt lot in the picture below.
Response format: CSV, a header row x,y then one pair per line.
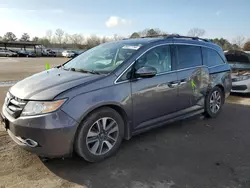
x,y
195,153
19,68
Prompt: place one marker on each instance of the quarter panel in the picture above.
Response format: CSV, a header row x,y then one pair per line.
x,y
221,75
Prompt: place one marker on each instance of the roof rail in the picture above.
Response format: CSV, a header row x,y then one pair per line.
x,y
187,37
152,36
168,36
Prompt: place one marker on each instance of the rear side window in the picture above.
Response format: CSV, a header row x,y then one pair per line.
x,y
211,57
188,56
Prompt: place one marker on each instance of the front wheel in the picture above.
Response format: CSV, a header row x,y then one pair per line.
x,y
214,102
99,135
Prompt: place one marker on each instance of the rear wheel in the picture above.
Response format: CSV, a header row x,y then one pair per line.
x,y
214,102
100,135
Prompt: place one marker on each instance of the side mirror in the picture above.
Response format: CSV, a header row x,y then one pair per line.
x,y
146,72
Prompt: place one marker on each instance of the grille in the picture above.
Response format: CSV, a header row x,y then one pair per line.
x,y
240,87
14,105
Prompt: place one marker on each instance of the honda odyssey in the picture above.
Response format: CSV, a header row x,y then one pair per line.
x,y
114,91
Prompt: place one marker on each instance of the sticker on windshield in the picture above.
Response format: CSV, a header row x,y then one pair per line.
x,y
131,47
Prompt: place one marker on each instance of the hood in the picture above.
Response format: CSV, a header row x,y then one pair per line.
x,y
47,85
240,73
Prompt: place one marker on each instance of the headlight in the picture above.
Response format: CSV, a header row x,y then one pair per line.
x,y
37,107
241,78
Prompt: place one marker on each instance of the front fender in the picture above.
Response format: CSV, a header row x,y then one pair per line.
x,y
119,95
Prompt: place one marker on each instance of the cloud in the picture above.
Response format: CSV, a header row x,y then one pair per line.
x,y
218,13
115,21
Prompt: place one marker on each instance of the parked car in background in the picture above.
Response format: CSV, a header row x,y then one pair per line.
x,y
77,53
48,53
240,65
24,53
7,53
114,91
69,54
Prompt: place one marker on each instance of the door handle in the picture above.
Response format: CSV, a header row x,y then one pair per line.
x,y
173,84
183,81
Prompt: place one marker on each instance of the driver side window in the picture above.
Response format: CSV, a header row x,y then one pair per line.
x,y
158,57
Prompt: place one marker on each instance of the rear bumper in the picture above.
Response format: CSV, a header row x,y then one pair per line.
x,y
53,134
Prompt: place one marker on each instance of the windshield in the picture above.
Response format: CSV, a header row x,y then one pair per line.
x,y
103,58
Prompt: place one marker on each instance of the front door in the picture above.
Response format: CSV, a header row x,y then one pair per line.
x,y
154,97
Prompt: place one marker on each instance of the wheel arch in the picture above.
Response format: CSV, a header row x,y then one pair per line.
x,y
118,108
222,89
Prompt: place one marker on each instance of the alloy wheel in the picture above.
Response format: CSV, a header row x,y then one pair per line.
x,y
102,136
215,102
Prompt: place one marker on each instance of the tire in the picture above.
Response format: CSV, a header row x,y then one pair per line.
x,y
211,108
89,130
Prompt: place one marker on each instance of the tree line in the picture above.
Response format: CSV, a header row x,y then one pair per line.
x,y
61,39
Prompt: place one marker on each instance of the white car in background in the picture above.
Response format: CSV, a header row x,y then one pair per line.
x,y
68,53
240,66
7,53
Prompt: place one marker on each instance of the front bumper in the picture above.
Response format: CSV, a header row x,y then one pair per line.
x,y
53,134
241,86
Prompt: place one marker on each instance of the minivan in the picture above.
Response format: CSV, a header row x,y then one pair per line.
x,y
114,91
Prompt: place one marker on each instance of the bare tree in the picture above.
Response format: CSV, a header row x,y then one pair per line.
x,y
59,35
44,41
150,32
49,34
66,38
196,32
77,39
25,37
117,37
104,39
239,40
9,36
93,41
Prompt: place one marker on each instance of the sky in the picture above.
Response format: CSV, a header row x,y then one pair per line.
x,y
219,18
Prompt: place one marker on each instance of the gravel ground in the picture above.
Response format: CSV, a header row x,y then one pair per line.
x,y
195,153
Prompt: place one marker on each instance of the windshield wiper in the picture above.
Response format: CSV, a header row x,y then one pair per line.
x,y
84,71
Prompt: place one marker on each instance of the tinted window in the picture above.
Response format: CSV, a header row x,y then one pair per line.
x,y
211,57
158,57
188,56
